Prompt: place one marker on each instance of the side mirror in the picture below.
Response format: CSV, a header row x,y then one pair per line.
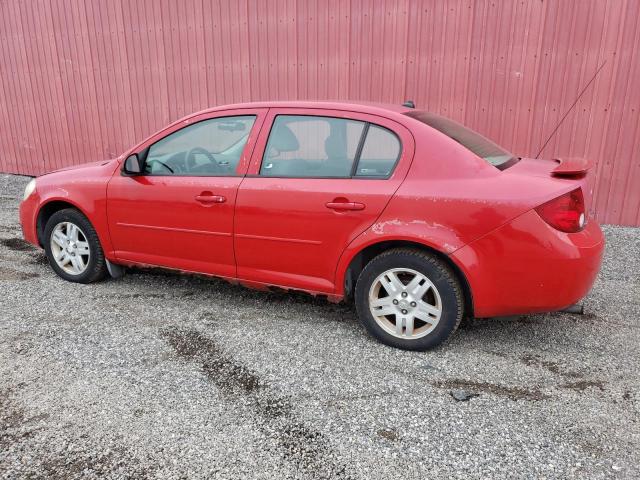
x,y
132,165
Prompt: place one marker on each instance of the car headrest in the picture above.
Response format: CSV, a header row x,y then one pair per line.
x,y
283,139
334,147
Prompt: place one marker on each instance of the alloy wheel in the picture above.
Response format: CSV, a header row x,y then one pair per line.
x,y
405,303
70,248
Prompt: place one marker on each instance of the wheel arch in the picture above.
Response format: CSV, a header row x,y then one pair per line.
x,y
47,209
370,251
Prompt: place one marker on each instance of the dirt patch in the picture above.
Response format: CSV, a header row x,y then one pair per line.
x,y
16,427
17,244
81,464
22,348
39,258
591,318
553,367
11,274
223,371
11,417
389,434
127,296
513,393
299,444
582,385
496,353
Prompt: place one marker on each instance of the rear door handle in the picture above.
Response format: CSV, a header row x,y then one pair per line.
x,y
209,199
340,206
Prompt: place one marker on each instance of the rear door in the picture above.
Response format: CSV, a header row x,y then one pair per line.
x,y
318,178
179,214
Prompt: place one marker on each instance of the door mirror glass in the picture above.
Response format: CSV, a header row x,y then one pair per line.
x,y
132,165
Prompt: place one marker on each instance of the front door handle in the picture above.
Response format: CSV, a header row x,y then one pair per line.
x,y
342,206
209,199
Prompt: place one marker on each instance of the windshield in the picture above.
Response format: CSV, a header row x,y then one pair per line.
x,y
481,146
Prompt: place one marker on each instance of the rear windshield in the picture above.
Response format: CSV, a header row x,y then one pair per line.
x,y
481,146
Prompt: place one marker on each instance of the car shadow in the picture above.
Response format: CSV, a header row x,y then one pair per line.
x,y
205,286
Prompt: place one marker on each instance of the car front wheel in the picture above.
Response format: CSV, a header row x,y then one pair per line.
x,y
409,299
72,247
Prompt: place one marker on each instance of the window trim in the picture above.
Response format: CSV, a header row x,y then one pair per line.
x,y
144,153
361,142
356,158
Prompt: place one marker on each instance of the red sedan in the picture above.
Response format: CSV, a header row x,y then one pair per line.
x,y
417,219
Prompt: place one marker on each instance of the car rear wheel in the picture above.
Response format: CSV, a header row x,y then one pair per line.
x,y
72,247
409,299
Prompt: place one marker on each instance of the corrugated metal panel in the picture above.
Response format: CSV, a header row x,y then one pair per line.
x,y
84,79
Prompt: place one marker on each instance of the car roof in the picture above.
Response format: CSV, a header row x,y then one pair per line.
x,y
353,106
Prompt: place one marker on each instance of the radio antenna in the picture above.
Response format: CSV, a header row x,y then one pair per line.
x,y
571,107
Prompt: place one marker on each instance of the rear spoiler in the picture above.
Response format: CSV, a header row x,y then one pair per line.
x,y
571,167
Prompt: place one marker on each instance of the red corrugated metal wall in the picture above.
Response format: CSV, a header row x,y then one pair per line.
x,y
84,79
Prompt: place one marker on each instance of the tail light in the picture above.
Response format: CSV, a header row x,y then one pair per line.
x,y
565,213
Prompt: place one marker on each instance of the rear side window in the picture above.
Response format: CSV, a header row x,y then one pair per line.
x,y
308,146
379,154
305,146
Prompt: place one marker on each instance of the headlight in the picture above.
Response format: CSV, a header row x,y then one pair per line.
x,y
29,189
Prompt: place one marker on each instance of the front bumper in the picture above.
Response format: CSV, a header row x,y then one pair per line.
x,y
527,266
28,218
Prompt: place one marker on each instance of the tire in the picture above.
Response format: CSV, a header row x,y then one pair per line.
x,y
427,288
93,263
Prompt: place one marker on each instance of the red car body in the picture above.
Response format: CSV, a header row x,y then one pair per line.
x,y
313,234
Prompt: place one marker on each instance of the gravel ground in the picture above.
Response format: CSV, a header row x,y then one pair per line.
x,y
169,376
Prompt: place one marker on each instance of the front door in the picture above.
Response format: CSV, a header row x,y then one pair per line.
x,y
319,179
179,214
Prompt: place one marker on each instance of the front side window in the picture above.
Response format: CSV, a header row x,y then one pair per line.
x,y
207,148
311,146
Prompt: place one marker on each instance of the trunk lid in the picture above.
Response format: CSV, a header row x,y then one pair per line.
x,y
567,173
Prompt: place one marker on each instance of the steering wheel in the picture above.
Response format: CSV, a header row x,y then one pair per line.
x,y
162,164
191,157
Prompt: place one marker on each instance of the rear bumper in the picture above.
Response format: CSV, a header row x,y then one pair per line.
x,y
28,214
527,266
